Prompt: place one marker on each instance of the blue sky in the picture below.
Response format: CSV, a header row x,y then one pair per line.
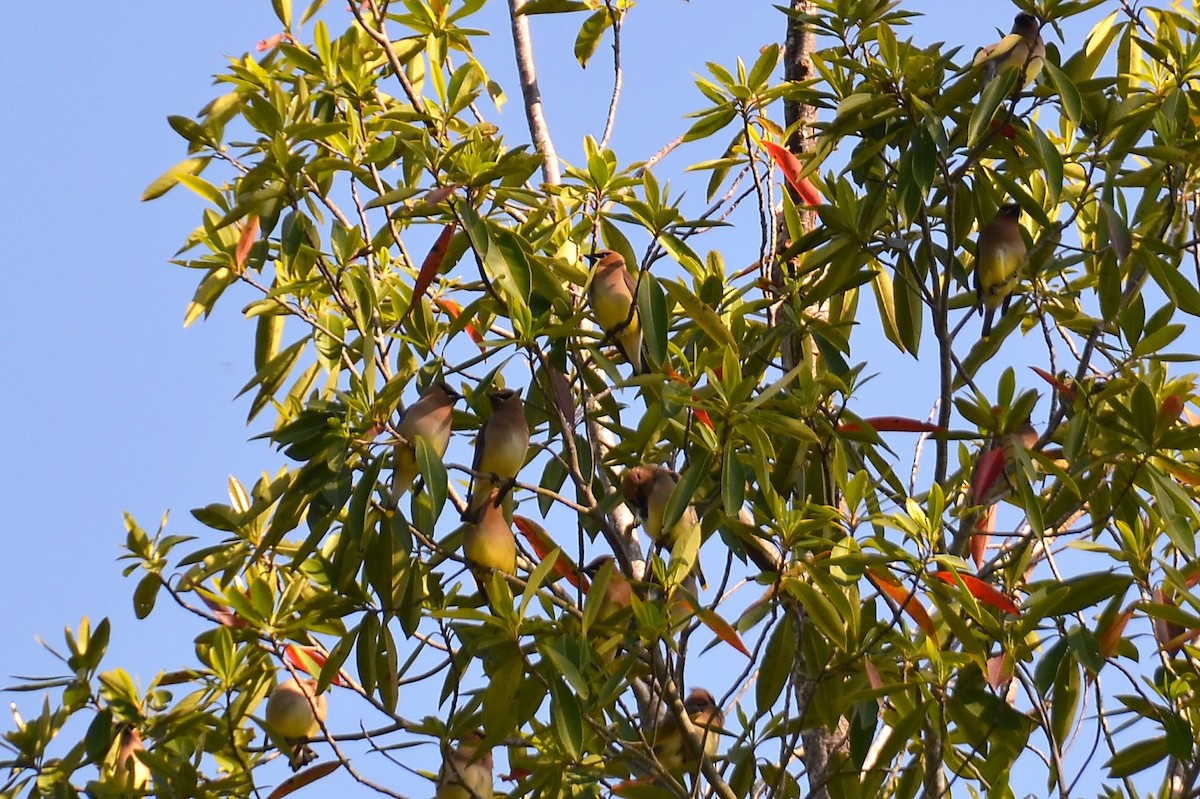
x,y
112,405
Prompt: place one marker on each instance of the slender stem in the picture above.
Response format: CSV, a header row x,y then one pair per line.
x,y
538,129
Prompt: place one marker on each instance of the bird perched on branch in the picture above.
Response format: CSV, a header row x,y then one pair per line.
x,y
1022,49
467,772
673,750
488,540
428,418
647,491
295,712
500,448
612,294
999,257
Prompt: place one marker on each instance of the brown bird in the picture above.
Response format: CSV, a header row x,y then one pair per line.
x,y
500,448
1021,49
647,490
467,772
676,753
1000,255
611,295
616,605
129,771
428,418
488,540
291,716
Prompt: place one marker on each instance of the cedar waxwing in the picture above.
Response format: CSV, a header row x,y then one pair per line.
x,y
611,295
1022,49
615,607
677,754
647,490
618,593
488,540
501,447
467,772
992,480
128,769
428,418
999,257
290,716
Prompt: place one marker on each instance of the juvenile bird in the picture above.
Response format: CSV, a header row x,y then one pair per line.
x,y
1021,49
611,295
999,257
676,753
500,448
647,490
428,418
467,772
290,715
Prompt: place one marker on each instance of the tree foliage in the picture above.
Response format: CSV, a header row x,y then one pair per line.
x,y
896,606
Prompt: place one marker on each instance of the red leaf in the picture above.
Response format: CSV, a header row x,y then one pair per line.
x,y
703,418
563,399
714,622
306,777
905,599
984,525
270,43
1110,636
988,470
791,167
984,592
305,657
543,545
892,424
1172,406
1063,388
999,671
873,678
246,240
430,267
224,616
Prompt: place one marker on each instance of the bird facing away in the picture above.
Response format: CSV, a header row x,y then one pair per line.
x,y
428,418
1022,49
290,715
467,772
999,256
488,541
611,295
679,755
500,448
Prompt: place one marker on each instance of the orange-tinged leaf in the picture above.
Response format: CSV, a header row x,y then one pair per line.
x,y
892,424
246,239
543,545
1110,636
306,777
1172,406
905,599
714,622
222,613
984,592
1182,473
791,167
454,309
633,787
703,418
1063,388
430,267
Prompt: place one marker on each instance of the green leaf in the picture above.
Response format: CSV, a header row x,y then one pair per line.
x,y
700,313
652,311
1137,756
590,34
437,481
1068,95
776,665
167,180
